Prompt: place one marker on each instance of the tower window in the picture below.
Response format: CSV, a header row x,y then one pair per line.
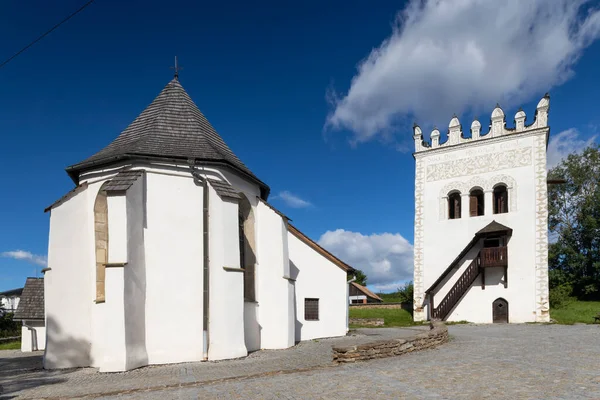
x,y
454,206
476,203
500,199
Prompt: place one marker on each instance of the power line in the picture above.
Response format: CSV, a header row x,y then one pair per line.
x,y
46,33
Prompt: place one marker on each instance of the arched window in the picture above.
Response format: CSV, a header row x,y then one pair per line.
x,y
500,199
476,203
247,246
101,240
454,205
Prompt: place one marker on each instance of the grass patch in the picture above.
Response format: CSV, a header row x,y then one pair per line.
x,y
16,345
576,312
391,316
463,322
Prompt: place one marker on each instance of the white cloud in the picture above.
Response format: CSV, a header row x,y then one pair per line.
x,y
386,259
26,256
451,56
292,200
565,143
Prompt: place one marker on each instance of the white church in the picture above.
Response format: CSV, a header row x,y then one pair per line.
x,y
167,251
481,221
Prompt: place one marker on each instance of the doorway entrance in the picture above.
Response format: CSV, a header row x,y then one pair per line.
x,y
500,311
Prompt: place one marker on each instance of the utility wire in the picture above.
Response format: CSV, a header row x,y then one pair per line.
x,y
46,33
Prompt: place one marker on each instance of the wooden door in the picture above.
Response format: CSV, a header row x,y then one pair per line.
x,y
500,311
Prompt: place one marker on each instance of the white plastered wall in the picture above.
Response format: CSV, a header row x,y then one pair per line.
x,y
135,277
226,335
317,277
274,291
69,283
173,241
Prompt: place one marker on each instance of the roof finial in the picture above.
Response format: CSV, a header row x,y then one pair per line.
x,y
177,68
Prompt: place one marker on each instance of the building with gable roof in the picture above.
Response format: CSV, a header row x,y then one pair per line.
x,y
359,294
168,208
30,313
9,300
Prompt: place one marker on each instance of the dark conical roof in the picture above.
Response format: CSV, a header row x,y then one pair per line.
x,y
171,127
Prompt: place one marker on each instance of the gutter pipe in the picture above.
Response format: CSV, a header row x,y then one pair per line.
x,y
199,180
34,342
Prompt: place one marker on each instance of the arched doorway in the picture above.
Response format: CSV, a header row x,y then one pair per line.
x,y
500,311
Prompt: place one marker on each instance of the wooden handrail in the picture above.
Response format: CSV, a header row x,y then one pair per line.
x,y
457,291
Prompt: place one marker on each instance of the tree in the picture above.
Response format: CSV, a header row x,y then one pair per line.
x,y
361,278
8,327
574,223
406,293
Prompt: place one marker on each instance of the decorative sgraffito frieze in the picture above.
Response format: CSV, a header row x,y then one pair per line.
x,y
541,232
419,313
479,164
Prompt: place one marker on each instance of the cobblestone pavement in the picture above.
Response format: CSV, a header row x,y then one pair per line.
x,y
487,361
21,374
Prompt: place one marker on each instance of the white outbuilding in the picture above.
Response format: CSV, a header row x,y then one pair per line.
x,y
481,221
30,313
167,251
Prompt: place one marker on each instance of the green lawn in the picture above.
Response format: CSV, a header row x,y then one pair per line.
x,y
10,345
578,311
391,316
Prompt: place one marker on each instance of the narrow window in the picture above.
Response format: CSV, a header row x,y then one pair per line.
x,y
476,205
311,309
454,206
500,199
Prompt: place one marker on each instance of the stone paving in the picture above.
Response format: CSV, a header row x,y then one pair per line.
x,y
21,374
486,361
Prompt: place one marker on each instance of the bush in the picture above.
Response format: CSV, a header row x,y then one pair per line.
x,y
406,293
561,296
8,327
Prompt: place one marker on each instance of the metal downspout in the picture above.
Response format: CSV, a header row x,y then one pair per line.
x,y
201,181
34,342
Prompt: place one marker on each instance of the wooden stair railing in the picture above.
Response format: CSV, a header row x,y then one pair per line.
x,y
458,290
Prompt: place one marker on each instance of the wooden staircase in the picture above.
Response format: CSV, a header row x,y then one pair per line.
x,y
487,257
457,292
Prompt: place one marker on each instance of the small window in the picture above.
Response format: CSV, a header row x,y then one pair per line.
x,y
311,309
500,199
476,204
492,242
454,206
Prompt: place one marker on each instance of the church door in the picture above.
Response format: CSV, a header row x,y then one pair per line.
x,y
500,311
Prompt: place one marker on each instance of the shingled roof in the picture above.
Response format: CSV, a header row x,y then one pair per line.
x,y
224,189
366,291
31,305
171,127
122,181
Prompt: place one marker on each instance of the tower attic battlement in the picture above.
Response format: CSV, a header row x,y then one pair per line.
x,y
497,128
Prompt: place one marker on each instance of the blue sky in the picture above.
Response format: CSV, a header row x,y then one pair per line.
x,y
317,99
